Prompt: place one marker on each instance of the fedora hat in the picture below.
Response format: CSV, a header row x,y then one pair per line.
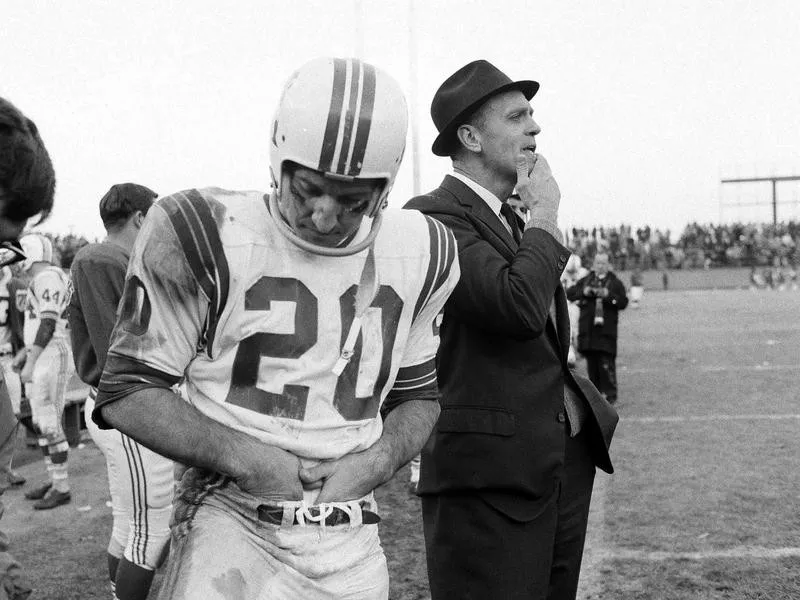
x,y
463,92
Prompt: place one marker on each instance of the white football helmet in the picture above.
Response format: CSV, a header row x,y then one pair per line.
x,y
37,248
346,119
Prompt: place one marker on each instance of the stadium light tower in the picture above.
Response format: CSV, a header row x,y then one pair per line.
x,y
774,181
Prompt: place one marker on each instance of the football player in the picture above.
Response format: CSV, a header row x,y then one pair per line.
x,y
302,326
9,344
48,364
140,481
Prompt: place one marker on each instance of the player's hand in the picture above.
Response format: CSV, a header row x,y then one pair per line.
x,y
348,478
272,474
26,375
537,188
19,360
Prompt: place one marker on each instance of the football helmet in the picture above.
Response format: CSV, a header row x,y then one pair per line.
x,y
37,248
346,119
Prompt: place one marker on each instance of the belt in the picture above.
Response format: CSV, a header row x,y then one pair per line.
x,y
274,514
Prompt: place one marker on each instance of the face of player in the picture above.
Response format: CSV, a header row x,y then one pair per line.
x,y
324,211
600,264
507,130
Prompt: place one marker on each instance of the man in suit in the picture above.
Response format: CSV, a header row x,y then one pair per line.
x,y
507,474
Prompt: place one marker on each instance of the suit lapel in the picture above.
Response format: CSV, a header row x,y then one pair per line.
x,y
499,237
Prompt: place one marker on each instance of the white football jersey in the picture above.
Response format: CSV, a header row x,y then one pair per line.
x,y
48,297
256,325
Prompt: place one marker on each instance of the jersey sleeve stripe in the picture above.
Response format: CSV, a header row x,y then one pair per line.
x,y
442,253
198,235
212,237
416,372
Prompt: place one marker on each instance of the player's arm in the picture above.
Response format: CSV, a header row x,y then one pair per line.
x,y
161,420
51,295
411,408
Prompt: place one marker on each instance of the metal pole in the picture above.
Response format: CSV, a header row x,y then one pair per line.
x,y
359,27
774,202
412,104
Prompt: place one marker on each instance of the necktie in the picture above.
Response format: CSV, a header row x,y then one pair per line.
x,y
574,406
511,218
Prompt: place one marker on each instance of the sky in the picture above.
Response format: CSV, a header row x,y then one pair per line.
x,y
644,106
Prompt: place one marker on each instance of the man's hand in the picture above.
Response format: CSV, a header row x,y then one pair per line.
x,y
272,474
537,188
348,478
26,375
19,360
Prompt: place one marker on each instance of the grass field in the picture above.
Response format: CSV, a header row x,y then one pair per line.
x,y
705,503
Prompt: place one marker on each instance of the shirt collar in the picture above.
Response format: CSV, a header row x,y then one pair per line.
x,y
491,200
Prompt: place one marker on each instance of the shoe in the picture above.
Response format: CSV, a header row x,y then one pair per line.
x,y
52,499
15,480
39,492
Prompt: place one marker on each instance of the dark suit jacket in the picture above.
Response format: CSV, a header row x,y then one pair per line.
x,y
502,364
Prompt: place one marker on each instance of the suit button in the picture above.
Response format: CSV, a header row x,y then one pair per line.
x,y
561,417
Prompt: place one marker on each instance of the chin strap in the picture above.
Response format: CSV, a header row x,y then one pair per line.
x,y
365,294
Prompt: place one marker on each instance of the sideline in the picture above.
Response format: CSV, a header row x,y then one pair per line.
x,y
736,552
713,368
706,418
590,582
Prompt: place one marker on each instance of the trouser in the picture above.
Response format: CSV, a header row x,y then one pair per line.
x,y
142,485
8,432
602,370
12,381
475,551
221,549
47,394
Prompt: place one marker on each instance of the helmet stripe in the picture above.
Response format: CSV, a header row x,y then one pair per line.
x,y
364,121
350,116
334,115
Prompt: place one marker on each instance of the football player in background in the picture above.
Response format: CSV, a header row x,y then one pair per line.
x,y
302,325
10,343
47,364
140,481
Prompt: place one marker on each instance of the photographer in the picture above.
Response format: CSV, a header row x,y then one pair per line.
x,y
600,296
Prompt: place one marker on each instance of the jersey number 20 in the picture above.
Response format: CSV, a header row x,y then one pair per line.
x,y
291,402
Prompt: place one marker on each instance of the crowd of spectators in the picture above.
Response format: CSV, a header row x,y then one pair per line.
x,y
698,246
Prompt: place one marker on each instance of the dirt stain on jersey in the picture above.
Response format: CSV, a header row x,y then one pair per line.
x,y
231,585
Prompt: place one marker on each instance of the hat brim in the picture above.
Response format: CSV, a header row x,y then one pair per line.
x,y
443,144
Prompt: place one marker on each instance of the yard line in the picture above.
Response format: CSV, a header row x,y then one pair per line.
x,y
737,552
702,418
589,584
711,368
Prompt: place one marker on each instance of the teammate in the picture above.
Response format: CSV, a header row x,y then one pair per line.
x,y
47,364
10,343
294,320
141,482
